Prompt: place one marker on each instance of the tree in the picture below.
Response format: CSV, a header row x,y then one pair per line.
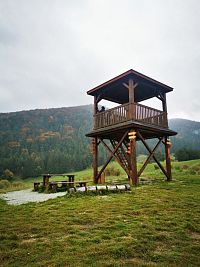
x,y
187,154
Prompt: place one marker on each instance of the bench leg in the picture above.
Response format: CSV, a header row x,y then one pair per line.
x,y
53,187
36,186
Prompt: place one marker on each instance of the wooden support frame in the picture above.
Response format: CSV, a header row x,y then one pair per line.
x,y
116,157
152,155
96,178
129,162
149,157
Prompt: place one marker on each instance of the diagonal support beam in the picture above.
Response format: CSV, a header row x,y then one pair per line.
x,y
149,157
118,160
147,147
111,156
122,156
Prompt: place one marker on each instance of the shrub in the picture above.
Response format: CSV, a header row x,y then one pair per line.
x,y
8,174
112,171
4,184
194,169
17,184
184,167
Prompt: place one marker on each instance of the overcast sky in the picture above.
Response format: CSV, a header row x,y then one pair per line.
x,y
52,52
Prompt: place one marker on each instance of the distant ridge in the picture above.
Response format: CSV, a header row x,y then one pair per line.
x,y
53,140
188,134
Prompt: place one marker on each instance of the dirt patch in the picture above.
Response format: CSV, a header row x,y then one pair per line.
x,y
26,196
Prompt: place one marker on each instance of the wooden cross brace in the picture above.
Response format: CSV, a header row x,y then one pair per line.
x,y
116,156
151,155
111,156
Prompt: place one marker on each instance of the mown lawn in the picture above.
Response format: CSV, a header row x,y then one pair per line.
x,y
157,224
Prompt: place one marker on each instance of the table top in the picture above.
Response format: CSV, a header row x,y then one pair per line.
x,y
56,174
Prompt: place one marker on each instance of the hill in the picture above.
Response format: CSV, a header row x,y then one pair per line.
x,y
188,134
49,140
53,140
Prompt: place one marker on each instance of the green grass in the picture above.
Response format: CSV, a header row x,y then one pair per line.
x,y
153,225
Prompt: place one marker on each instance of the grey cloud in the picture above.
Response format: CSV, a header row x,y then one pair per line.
x,y
52,52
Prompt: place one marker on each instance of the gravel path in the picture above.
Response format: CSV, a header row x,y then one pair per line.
x,y
25,196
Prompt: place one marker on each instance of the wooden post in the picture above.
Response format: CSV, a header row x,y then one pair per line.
x,y
46,179
167,158
131,99
95,159
95,112
102,178
131,90
164,102
164,121
133,161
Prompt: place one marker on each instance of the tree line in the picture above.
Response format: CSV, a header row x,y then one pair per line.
x,y
53,141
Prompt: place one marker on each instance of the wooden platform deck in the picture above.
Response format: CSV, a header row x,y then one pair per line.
x,y
149,131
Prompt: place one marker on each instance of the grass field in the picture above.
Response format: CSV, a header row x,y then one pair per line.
x,y
157,224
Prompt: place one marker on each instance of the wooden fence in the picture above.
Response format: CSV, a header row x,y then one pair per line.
x,y
130,112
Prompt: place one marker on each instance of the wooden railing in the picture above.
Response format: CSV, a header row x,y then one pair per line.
x,y
127,112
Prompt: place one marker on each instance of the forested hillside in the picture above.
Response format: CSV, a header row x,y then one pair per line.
x,y
53,140
188,134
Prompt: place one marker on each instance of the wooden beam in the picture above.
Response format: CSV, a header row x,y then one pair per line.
x,y
98,99
95,111
167,158
164,102
117,159
111,156
131,87
95,157
149,157
126,85
133,161
131,90
159,97
147,147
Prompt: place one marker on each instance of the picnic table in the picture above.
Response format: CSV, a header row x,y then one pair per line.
x,y
47,176
54,184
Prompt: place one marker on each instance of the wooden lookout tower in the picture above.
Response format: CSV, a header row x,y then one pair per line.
x,y
130,122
